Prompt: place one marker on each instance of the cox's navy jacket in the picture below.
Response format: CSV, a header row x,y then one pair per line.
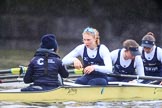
x,y
44,68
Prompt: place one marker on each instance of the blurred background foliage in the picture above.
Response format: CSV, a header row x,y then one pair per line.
x,y
23,22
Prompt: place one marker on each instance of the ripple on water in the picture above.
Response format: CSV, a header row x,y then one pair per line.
x,y
72,104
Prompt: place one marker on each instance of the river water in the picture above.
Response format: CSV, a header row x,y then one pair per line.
x,y
72,104
132,104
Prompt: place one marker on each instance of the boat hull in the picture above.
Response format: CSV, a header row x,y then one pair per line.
x,y
87,94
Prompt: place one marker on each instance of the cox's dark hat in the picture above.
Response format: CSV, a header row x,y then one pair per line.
x,y
48,41
147,43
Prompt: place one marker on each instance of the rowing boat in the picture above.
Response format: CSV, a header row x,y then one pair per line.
x,y
115,91
85,93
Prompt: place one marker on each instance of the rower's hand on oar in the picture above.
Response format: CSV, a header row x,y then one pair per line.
x,y
88,69
77,64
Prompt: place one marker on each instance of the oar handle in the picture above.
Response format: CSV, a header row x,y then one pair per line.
x,y
18,71
75,71
14,71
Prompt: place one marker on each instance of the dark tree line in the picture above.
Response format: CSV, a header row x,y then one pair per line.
x,y
29,19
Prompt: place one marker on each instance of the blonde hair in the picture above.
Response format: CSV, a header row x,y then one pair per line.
x,y
97,37
93,32
130,43
149,36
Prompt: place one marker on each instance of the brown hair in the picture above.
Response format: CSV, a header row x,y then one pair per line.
x,y
130,43
149,36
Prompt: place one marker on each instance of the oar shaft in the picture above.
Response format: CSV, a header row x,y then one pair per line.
x,y
9,81
80,71
136,77
5,71
12,71
20,76
10,76
15,72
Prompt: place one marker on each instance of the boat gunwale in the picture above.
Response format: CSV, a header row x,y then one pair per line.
x,y
119,84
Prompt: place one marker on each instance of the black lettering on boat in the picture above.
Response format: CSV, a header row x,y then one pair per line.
x,y
102,90
71,91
